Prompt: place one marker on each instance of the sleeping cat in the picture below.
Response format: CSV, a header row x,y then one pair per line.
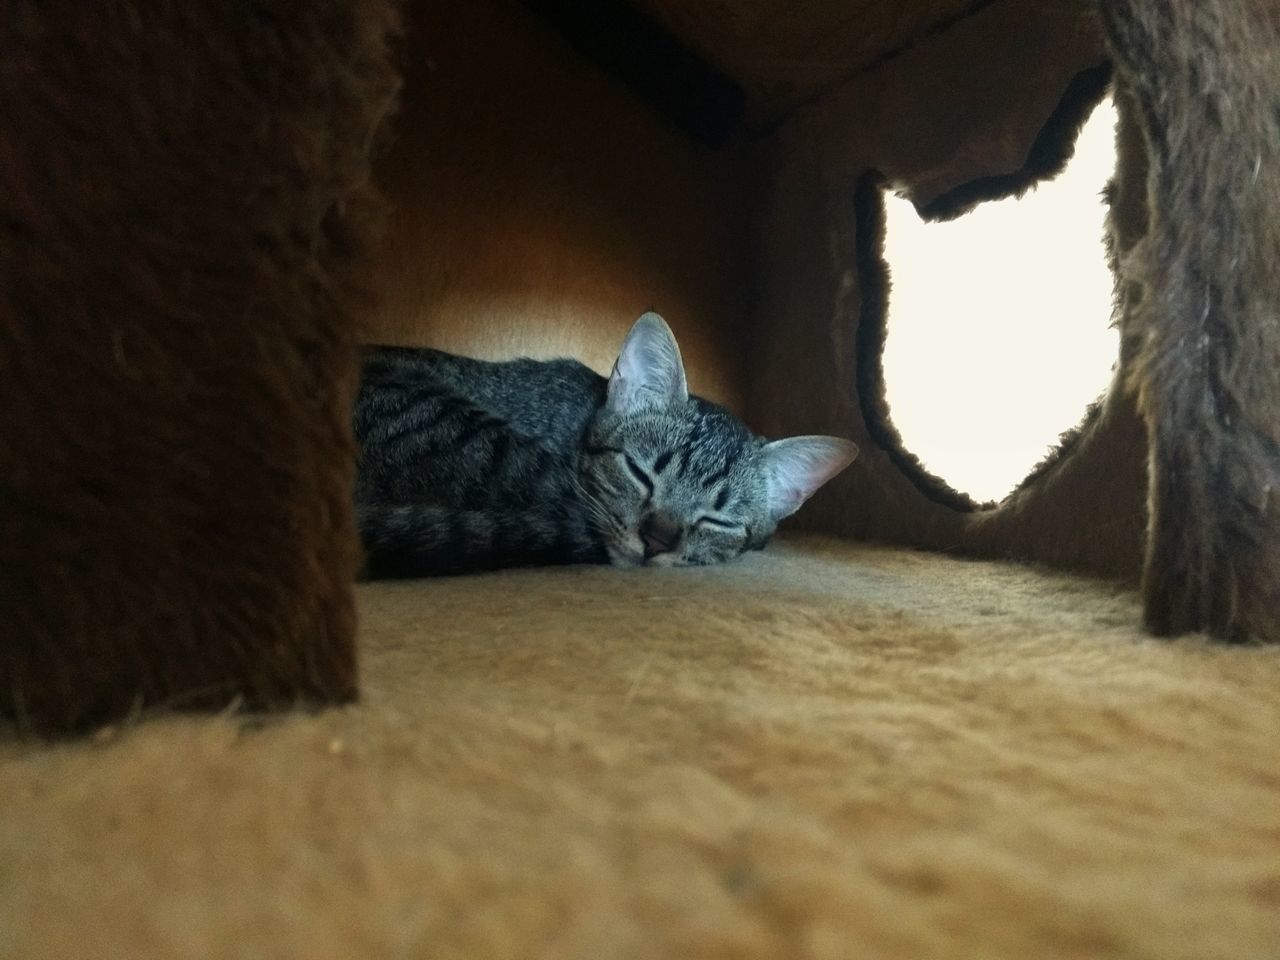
x,y
467,465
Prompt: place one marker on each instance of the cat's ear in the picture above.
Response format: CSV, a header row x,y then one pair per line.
x,y
649,371
795,468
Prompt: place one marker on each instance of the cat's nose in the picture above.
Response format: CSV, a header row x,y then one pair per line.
x,y
660,534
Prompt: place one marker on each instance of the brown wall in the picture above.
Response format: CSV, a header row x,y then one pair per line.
x,y
539,208
963,104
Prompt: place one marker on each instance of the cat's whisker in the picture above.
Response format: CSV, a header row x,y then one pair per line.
x,y
592,501
597,510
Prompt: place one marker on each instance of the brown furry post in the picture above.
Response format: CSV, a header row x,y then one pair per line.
x,y
1203,306
180,185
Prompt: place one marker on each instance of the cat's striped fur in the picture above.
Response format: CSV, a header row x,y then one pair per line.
x,y
468,465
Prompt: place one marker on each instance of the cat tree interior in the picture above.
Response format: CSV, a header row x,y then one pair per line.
x,y
555,170
826,749
544,197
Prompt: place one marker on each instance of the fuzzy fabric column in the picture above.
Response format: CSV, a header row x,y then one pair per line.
x,y
181,187
1203,306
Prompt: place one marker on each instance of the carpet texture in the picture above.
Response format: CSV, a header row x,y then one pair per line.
x,y
822,751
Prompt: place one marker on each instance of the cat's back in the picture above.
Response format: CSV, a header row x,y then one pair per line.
x,y
538,398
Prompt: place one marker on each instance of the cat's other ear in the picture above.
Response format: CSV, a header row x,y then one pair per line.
x,y
795,468
649,371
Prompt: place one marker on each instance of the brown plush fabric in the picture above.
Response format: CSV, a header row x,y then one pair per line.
x,y
823,751
179,184
1205,81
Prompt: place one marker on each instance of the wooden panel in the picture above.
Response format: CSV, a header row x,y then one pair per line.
x,y
540,207
787,51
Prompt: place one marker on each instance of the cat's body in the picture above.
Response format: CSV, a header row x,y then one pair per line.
x,y
461,470
469,465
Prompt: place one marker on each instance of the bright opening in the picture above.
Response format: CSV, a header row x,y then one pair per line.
x,y
999,329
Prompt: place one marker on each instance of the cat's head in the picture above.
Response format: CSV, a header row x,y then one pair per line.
x,y
673,479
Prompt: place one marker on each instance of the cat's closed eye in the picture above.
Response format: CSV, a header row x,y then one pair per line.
x,y
638,472
717,522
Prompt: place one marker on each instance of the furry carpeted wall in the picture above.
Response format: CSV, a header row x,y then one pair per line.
x,y
182,189
1195,207
1201,307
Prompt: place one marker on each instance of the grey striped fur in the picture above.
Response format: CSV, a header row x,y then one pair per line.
x,y
467,465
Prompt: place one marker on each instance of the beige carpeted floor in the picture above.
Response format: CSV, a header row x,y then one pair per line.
x,y
823,751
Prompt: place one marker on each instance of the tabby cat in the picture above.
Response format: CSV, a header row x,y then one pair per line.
x,y
468,465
